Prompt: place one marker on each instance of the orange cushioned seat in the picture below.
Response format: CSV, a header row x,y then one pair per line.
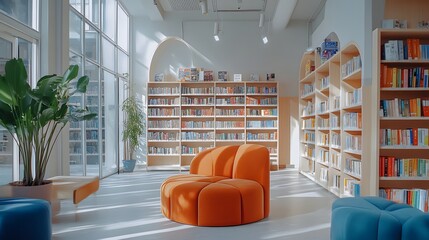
x,y
227,185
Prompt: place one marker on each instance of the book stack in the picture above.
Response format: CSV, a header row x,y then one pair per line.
x,y
352,186
408,49
353,167
417,198
404,137
415,107
392,77
403,167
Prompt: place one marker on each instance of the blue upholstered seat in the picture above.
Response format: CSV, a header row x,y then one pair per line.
x,y
24,219
375,218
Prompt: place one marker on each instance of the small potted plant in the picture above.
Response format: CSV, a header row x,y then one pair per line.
x,y
36,116
133,130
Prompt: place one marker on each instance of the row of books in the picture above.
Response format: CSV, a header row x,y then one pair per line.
x,y
417,198
163,150
261,101
308,109
193,150
335,139
353,142
415,107
230,100
336,180
334,121
262,112
163,112
323,107
230,136
229,112
323,139
307,89
261,90
163,90
354,97
163,124
392,77
262,124
192,74
309,151
323,174
262,136
351,66
336,160
403,167
197,100
166,136
352,187
194,90
308,123
404,137
352,120
408,49
353,166
322,122
230,90
323,155
229,124
197,112
197,135
164,101
197,124
309,136
324,82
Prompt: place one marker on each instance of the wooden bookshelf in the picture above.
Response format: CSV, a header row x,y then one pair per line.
x,y
397,121
332,110
185,118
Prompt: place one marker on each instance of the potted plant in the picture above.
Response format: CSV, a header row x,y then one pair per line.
x,y
35,117
133,130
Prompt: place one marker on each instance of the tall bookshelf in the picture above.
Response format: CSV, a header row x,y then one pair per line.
x,y
332,120
184,118
401,87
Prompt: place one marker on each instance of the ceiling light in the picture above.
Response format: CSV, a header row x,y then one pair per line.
x,y
261,20
265,40
216,31
203,6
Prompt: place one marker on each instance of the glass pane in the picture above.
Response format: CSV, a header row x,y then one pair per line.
x,y
122,63
123,94
76,4
122,29
92,11
75,131
25,51
6,140
110,129
21,10
91,43
108,9
75,28
108,54
92,127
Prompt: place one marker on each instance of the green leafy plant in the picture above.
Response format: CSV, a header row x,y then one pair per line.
x,y
35,117
133,124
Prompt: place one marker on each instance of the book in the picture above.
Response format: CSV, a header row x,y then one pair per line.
x,y
222,76
237,77
159,77
254,77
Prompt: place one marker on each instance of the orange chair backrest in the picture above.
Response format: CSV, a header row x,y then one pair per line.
x,y
214,162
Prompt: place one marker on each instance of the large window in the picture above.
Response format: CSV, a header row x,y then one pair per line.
x,y
101,50
16,41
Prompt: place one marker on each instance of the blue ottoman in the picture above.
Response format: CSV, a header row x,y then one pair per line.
x,y
375,218
23,219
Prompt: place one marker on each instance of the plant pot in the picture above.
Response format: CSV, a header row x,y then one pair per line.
x,y
45,192
129,165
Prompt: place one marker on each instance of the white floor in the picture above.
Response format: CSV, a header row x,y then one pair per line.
x,y
127,207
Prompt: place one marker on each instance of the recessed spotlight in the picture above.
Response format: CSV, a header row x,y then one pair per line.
x,y
265,40
216,37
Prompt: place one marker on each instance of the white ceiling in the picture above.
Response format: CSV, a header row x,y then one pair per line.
x,y
238,9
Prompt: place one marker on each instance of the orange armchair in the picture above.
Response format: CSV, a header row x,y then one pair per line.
x,y
227,185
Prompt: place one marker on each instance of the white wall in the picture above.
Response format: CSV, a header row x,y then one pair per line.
x,y
240,49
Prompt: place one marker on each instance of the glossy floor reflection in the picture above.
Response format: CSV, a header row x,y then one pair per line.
x,y
127,207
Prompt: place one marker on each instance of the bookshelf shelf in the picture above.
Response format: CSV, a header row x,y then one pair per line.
x,y
234,112
339,106
386,90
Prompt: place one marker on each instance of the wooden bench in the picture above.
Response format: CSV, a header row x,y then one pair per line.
x,y
75,187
